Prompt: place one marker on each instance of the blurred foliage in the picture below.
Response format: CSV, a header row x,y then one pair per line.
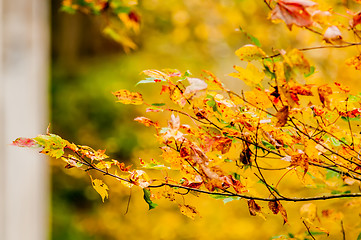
x,y
88,66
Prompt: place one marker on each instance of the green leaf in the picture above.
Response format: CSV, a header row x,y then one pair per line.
x,y
230,199
146,197
158,104
250,37
150,80
359,236
237,176
312,71
122,9
268,145
53,145
68,9
335,142
332,174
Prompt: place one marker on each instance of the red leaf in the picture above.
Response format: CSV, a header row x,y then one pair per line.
x,y
356,20
25,142
293,12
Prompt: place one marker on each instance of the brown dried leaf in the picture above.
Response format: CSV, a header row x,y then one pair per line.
x,y
282,116
324,93
254,208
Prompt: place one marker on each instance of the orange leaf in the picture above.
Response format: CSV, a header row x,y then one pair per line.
x,y
293,12
146,121
324,92
126,97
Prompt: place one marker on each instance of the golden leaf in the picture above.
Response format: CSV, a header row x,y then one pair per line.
x,y
189,211
250,75
250,52
101,188
126,97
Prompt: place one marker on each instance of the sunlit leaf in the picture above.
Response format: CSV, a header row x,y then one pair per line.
x,y
25,142
101,188
127,97
250,53
188,211
293,12
250,75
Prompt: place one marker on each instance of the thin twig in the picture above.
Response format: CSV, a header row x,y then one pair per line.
x,y
308,230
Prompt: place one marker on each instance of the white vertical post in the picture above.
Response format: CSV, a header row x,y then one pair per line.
x,y
24,57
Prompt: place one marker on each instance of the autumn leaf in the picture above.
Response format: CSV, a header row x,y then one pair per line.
x,y
100,187
354,62
356,20
188,211
53,145
254,208
250,75
126,97
309,211
282,116
156,74
342,87
276,207
293,12
146,121
324,93
196,85
25,142
332,35
250,52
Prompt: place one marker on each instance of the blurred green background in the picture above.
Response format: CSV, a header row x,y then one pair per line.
x,y
87,67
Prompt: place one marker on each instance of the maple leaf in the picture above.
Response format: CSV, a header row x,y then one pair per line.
x,y
53,145
100,187
126,97
332,35
146,121
196,85
324,93
293,12
342,87
282,116
250,75
354,62
25,142
356,20
188,211
139,178
250,52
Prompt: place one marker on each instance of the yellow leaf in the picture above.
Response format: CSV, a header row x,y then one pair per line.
x,y
311,149
250,75
309,211
101,188
189,211
250,52
127,97
155,74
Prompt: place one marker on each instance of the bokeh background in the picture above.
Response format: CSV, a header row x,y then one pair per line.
x,y
87,66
